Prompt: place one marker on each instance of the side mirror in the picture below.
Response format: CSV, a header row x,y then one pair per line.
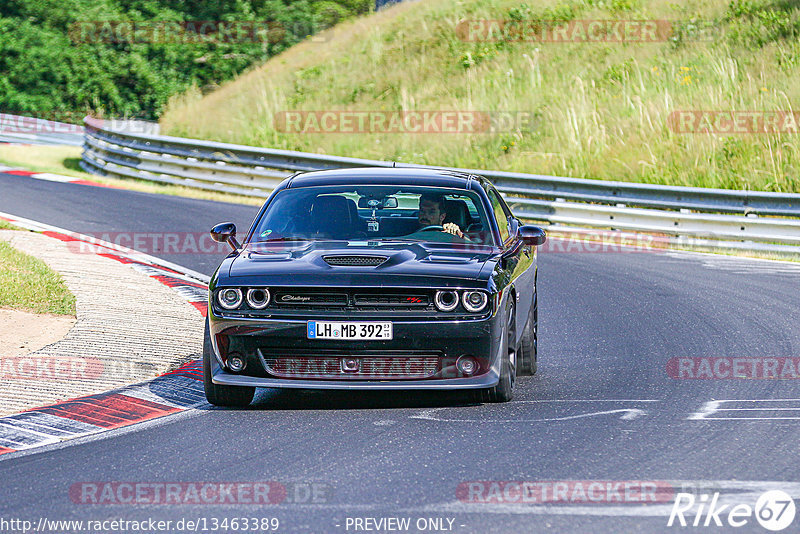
x,y
226,232
532,235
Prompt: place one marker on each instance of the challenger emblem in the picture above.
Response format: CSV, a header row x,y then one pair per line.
x,y
289,298
415,300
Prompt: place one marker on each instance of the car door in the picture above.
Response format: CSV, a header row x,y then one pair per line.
x,y
524,276
517,258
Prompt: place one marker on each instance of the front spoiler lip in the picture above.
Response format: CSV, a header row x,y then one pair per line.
x,y
487,380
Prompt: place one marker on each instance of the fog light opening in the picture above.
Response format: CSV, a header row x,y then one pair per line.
x,y
236,362
467,365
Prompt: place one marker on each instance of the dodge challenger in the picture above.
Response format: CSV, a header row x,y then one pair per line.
x,y
375,279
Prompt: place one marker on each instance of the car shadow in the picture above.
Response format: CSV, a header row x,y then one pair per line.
x,y
303,399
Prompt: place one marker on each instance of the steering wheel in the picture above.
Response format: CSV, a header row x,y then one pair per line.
x,y
431,228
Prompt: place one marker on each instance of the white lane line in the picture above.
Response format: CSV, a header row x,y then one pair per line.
x,y
431,414
738,264
711,408
54,177
630,413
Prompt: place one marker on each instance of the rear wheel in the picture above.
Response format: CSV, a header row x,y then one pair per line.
x,y
504,390
217,394
529,340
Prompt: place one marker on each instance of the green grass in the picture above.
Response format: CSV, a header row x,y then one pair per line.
x,y
600,109
28,284
5,225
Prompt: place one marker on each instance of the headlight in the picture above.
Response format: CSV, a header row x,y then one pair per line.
x,y
230,298
474,301
446,300
258,298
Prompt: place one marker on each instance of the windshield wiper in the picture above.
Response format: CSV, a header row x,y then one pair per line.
x,y
275,239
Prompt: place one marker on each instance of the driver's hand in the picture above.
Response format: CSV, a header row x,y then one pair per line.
x,y
452,228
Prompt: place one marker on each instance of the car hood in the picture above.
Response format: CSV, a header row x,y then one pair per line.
x,y
406,263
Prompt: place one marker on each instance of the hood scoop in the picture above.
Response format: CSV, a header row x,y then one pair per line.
x,y
351,260
269,256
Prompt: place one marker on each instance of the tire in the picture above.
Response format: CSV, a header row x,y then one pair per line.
x,y
504,390
529,344
217,394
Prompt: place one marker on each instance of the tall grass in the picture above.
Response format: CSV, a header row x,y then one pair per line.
x,y
601,108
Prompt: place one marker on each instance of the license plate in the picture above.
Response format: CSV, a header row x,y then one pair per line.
x,y
348,330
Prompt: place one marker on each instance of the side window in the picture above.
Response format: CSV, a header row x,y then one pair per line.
x,y
500,215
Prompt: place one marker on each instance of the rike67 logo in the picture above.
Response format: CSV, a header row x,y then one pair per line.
x,y
774,510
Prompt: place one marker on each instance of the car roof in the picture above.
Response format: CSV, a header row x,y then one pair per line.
x,y
385,176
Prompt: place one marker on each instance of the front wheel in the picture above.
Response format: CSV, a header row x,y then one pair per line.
x,y
217,394
504,390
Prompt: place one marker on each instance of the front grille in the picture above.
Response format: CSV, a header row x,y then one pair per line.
x,y
355,261
399,301
369,367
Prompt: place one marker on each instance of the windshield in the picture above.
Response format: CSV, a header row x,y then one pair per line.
x,y
375,213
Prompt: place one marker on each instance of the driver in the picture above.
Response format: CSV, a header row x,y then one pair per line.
x,y
432,213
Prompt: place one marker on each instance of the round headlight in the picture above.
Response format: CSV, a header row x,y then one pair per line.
x,y
258,298
230,298
474,301
446,300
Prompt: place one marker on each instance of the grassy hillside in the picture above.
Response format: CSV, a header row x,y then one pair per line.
x,y
601,109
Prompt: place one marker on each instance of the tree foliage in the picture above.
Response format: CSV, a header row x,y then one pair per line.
x,y
53,64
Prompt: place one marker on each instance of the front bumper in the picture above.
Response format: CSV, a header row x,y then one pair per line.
x,y
254,337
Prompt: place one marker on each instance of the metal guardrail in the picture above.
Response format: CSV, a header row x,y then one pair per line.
x,y
35,131
252,171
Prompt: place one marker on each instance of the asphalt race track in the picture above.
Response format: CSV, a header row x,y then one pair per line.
x,y
603,406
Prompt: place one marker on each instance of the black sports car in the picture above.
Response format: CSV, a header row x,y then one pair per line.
x,y
374,279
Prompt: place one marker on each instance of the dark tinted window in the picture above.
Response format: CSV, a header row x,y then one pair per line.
x,y
375,213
